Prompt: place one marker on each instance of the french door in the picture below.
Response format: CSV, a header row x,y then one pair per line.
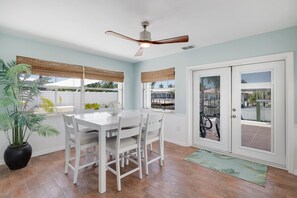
x,y
212,108
241,109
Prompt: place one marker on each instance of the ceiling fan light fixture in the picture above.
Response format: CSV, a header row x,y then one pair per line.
x,y
145,45
145,40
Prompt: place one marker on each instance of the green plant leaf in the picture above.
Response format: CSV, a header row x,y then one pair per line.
x,y
18,69
47,104
5,122
8,101
45,130
18,92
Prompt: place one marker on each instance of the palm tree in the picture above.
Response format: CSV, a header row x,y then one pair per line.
x,y
161,86
15,114
153,85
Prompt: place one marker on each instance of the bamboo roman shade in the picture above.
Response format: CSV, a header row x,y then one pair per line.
x,y
49,68
160,75
113,76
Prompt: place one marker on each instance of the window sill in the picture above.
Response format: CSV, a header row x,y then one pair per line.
x,y
47,114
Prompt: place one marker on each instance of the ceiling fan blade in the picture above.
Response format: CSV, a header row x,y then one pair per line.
x,y
139,52
179,39
112,33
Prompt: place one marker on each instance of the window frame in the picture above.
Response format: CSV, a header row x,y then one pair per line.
x,y
146,96
82,89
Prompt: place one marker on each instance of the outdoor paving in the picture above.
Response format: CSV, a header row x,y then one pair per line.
x,y
257,137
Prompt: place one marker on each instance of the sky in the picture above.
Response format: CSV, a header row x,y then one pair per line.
x,y
256,77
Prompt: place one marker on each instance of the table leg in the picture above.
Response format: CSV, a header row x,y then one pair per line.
x,y
102,161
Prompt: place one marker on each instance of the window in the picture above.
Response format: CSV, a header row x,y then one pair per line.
x,y
159,89
159,95
70,88
101,93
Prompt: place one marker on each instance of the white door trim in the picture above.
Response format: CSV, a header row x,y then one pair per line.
x,y
289,71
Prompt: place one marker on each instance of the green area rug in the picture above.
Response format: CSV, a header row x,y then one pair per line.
x,y
243,169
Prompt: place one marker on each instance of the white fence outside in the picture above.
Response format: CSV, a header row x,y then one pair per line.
x,y
251,114
73,98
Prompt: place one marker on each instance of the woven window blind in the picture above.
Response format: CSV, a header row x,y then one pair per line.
x,y
112,76
49,68
160,75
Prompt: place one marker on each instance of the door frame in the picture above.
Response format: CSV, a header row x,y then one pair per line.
x,y
290,122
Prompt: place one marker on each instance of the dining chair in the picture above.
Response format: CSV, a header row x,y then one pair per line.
x,y
128,139
152,133
146,111
80,140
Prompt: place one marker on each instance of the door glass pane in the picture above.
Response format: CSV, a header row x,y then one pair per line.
x,y
256,112
258,77
210,108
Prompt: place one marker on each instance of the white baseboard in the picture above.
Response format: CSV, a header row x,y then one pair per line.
x,y
43,152
51,150
295,172
181,143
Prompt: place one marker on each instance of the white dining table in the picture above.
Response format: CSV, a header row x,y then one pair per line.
x,y
103,121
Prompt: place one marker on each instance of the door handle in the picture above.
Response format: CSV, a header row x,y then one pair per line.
x,y
234,116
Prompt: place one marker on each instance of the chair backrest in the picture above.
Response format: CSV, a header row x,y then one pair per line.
x,y
129,127
154,123
71,127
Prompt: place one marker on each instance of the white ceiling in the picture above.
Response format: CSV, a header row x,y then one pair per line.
x,y
80,24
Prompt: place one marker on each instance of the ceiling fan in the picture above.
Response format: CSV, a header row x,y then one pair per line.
x,y
145,40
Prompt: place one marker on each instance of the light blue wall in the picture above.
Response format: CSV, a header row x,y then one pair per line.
x,y
10,46
264,44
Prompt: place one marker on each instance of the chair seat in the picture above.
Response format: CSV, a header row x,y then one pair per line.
x,y
111,142
150,136
87,138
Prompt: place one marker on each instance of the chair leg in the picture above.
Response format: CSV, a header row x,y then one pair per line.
x,y
145,159
123,160
67,157
127,158
161,153
95,154
139,163
151,146
118,170
76,165
142,153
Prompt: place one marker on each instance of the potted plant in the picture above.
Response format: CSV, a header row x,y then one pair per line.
x,y
17,119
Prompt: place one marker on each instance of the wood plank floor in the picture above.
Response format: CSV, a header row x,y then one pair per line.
x,y
44,177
